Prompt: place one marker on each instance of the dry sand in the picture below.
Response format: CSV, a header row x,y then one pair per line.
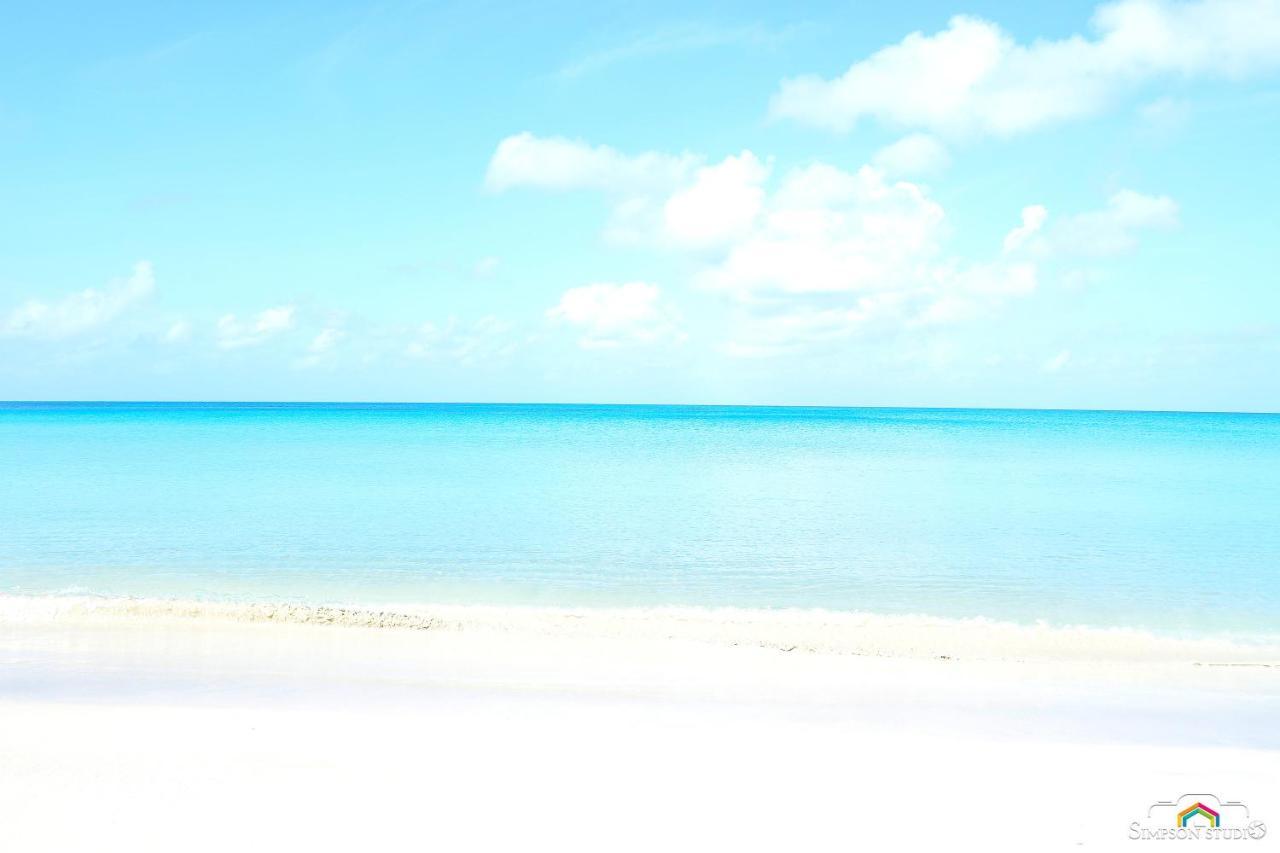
x,y
162,726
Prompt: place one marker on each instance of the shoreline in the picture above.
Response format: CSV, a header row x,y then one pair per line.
x,y
484,728
789,630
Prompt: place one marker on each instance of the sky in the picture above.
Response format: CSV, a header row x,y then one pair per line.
x,y
962,203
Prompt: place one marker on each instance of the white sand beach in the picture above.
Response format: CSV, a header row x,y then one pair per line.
x,y
129,725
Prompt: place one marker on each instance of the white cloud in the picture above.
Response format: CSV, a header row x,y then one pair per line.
x,y
836,253
830,231
556,163
821,253
611,315
972,77
274,320
799,324
945,293
234,333
486,267
721,204
79,312
657,198
1111,230
639,185
1033,219
1095,233
912,155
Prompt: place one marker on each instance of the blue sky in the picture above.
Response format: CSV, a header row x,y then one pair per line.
x,y
849,204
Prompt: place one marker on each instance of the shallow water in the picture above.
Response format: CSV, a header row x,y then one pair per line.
x,y
1167,521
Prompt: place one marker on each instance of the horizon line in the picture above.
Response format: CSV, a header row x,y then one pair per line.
x,y
1084,409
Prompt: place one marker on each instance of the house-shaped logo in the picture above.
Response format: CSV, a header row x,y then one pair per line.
x,y
1196,811
1198,816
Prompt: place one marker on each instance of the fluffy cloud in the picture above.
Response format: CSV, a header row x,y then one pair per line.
x,y
611,315
912,155
836,253
823,234
79,312
821,253
722,203
972,77
657,198
555,163
824,254
830,231
234,333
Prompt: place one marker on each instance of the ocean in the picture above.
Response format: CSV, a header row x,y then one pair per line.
x,y
1168,522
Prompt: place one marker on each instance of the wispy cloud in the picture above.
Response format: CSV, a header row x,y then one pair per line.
x,y
1057,362
321,348
234,333
677,38
80,312
178,332
1111,230
612,315
466,343
1033,218
325,340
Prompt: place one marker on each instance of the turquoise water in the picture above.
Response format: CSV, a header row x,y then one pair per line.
x,y
1167,521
